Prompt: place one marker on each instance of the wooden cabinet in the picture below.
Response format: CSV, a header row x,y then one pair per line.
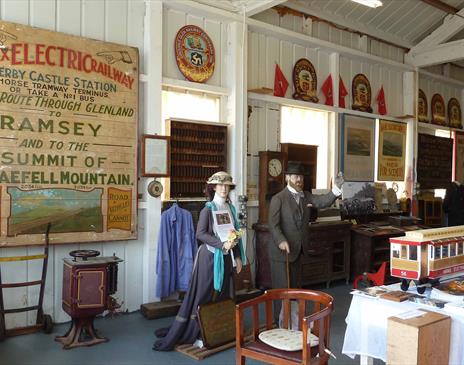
x,y
370,247
198,150
431,211
272,165
328,258
307,155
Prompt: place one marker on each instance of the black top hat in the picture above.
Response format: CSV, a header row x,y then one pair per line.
x,y
295,168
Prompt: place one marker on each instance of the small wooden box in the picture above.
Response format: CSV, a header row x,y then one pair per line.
x,y
420,340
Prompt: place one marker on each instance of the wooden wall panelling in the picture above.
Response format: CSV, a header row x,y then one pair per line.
x,y
272,57
93,15
252,76
260,65
273,125
116,22
43,14
174,21
14,297
68,16
15,11
135,37
287,60
213,29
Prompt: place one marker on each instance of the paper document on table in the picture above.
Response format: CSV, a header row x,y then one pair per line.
x,y
223,224
410,314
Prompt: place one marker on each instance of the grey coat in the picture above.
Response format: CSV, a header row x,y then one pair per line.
x,y
287,223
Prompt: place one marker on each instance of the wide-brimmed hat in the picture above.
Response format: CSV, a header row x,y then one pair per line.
x,y
295,168
221,177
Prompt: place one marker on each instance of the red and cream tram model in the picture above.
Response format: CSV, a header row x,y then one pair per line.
x,y
427,254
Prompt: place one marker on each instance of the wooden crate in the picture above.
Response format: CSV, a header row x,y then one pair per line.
x,y
162,309
423,340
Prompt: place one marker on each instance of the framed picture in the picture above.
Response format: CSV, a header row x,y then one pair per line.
x,y
156,152
392,151
358,148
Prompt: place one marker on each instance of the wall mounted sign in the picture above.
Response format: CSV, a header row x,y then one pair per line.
x,y
194,53
357,156
459,156
361,91
438,110
454,113
434,161
392,151
69,111
305,81
422,108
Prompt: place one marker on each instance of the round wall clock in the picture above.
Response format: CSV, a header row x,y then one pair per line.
x,y
194,53
274,167
155,188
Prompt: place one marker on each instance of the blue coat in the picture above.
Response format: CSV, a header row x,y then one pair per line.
x,y
177,247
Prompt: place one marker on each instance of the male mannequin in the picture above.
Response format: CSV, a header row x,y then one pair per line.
x,y
289,214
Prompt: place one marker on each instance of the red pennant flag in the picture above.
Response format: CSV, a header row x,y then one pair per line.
x,y
381,102
341,94
327,90
280,82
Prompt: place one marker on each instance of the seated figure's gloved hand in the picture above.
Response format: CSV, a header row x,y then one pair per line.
x,y
339,180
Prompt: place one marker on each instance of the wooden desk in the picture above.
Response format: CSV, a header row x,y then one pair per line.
x,y
328,258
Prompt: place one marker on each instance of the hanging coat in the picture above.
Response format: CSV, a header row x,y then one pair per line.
x,y
177,247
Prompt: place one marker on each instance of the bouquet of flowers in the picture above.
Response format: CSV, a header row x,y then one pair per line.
x,y
235,235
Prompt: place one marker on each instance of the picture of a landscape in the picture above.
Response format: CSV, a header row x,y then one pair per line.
x,y
392,144
358,142
67,210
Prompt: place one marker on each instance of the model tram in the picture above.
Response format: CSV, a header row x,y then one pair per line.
x,y
428,254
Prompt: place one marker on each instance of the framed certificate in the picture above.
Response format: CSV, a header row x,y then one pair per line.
x,y
156,152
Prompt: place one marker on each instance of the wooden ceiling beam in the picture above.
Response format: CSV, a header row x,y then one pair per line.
x,y
441,6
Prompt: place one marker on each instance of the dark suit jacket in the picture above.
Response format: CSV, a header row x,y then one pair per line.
x,y
286,223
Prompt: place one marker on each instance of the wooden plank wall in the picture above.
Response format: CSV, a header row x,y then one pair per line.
x,y
119,21
216,30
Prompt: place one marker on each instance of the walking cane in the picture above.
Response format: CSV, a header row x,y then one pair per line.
x,y
288,271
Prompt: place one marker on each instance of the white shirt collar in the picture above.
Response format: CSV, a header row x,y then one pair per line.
x,y
220,202
292,190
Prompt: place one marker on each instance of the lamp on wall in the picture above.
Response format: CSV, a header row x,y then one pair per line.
x,y
370,3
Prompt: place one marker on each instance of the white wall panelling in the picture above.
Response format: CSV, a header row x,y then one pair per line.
x,y
119,21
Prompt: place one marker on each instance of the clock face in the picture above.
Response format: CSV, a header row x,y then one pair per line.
x,y
274,167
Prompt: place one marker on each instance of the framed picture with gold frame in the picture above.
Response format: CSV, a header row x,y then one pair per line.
x,y
156,152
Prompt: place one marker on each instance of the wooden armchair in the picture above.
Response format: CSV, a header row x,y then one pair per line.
x,y
318,304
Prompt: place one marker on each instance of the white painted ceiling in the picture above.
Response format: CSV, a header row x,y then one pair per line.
x,y
401,22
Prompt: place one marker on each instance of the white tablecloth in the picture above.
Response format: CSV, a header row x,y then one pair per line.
x,y
366,332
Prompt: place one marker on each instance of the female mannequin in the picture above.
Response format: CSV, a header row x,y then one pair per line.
x,y
212,276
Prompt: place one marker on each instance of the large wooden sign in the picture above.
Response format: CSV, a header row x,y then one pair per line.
x,y
434,161
68,137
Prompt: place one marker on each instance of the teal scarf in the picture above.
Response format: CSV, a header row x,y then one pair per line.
x,y
218,255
